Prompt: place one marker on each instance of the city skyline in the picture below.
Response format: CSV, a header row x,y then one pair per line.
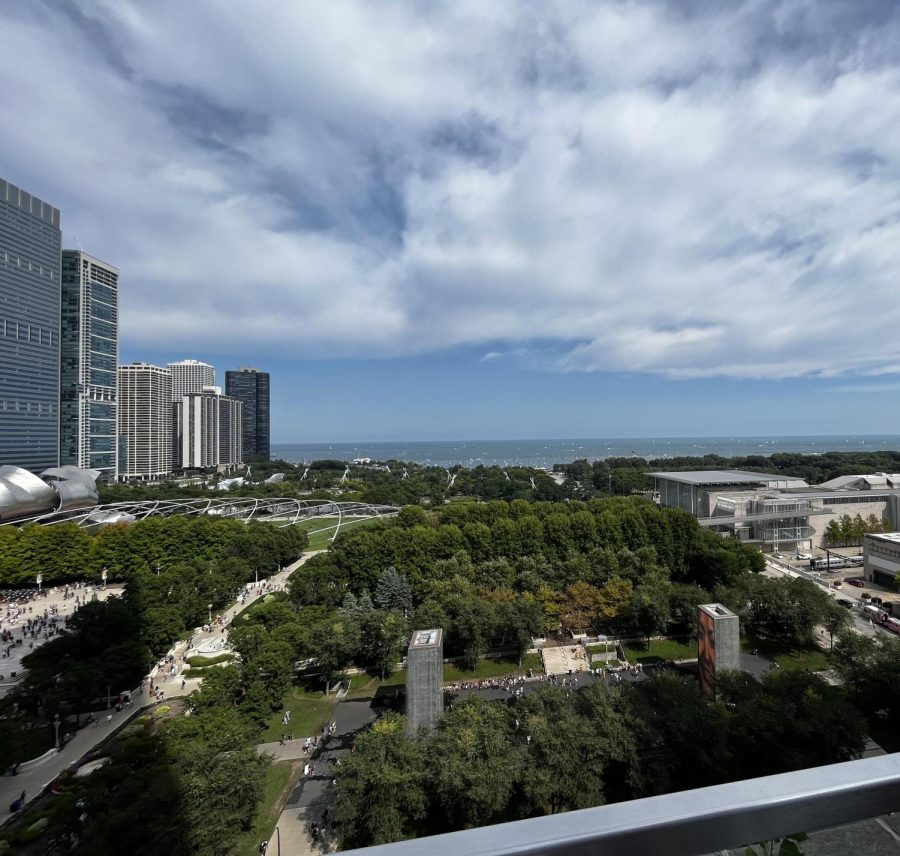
x,y
688,240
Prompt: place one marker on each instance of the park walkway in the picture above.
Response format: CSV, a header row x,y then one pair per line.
x,y
33,781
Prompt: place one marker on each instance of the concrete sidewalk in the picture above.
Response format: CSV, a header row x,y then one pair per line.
x,y
36,779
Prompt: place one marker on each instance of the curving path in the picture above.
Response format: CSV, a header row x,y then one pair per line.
x,y
36,779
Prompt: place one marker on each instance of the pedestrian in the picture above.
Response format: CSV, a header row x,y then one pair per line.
x,y
183,682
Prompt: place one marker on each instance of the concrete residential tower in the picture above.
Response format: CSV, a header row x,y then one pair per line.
x,y
30,242
145,422
207,430
251,388
89,363
189,377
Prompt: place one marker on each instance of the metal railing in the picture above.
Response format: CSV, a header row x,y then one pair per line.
x,y
687,823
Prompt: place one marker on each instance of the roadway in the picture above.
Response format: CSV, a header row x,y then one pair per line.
x,y
783,567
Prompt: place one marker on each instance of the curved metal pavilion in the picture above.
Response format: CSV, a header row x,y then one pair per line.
x,y
284,511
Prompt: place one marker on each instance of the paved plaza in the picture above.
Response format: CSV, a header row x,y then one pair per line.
x,y
15,615
565,659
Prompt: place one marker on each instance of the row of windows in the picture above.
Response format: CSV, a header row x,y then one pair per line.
x,y
26,332
11,261
877,548
849,500
17,405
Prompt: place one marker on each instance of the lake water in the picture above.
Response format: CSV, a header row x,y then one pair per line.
x,y
545,453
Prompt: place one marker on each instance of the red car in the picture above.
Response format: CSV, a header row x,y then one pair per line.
x,y
857,583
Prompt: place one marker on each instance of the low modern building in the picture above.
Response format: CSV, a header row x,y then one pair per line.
x,y
775,512
881,558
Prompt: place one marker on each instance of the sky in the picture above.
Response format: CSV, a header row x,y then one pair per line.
x,y
486,220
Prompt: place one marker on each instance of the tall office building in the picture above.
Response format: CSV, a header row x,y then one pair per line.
x,y
207,430
145,422
88,427
251,388
189,377
30,243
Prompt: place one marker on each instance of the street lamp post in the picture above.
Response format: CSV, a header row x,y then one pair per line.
x,y
209,607
56,726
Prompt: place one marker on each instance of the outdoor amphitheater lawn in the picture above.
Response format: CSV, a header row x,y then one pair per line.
x,y
661,649
322,540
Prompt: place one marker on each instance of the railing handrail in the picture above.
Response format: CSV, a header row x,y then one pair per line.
x,y
685,823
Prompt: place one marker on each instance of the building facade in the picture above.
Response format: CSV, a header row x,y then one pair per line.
x,y
777,513
88,429
881,558
424,679
30,288
251,388
190,377
145,422
718,642
206,430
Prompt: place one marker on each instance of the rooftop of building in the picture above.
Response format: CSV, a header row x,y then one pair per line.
x,y
891,537
426,638
871,480
29,203
726,477
716,610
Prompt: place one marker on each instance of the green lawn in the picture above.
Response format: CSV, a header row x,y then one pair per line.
x,y
365,686
279,780
322,540
202,662
662,649
808,658
493,668
309,713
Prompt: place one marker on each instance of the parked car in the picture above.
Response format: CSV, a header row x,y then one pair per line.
x,y
857,583
844,602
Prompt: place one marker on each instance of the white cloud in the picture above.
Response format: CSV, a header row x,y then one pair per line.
x,y
646,189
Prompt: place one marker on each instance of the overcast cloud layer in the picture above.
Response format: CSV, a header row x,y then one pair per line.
x,y
688,188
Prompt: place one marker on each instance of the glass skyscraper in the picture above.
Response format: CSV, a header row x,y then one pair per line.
x,y
90,349
30,243
251,388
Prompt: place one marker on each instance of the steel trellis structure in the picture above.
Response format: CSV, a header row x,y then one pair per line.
x,y
284,511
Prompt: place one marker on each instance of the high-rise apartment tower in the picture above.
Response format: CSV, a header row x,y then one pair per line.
x,y
251,388
189,377
88,429
207,430
30,243
145,422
